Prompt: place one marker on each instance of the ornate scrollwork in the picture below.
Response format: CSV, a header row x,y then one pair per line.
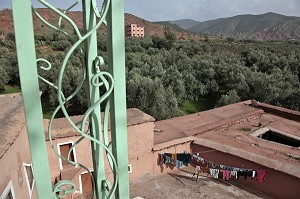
x,y
100,79
63,188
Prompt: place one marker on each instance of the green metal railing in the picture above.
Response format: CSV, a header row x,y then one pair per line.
x,y
113,100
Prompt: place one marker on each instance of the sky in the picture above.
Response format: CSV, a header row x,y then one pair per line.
x,y
199,10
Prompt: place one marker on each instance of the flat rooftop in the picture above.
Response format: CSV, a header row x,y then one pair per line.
x,y
61,128
190,125
12,121
230,129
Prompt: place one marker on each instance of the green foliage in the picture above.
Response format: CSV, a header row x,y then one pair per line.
x,y
161,43
102,42
230,39
3,77
150,96
169,34
230,98
61,45
167,77
203,103
247,129
10,36
10,89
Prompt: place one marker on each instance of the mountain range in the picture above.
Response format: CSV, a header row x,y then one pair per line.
x,y
268,26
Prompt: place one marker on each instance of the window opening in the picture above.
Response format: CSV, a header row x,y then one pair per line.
x,y
129,168
29,177
63,149
8,192
86,184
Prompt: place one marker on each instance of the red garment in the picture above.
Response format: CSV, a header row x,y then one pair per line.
x,y
226,174
261,175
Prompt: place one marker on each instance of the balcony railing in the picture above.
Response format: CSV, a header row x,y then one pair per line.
x,y
113,100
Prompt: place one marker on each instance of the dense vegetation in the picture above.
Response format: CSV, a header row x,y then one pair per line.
x,y
163,74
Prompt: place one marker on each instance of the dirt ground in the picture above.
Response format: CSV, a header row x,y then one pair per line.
x,y
180,186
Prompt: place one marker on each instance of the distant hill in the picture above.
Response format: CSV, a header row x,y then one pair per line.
x,y
173,26
269,26
185,23
151,28
6,21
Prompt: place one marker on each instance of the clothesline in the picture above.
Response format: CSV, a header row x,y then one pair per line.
x,y
229,171
214,165
180,159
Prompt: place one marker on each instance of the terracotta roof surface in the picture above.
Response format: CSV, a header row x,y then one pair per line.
x,y
70,173
197,123
12,120
230,128
61,127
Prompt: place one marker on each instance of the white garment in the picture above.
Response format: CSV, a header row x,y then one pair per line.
x,y
253,173
234,173
214,172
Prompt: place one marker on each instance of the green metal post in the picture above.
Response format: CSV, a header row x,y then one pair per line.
x,y
116,57
23,26
93,96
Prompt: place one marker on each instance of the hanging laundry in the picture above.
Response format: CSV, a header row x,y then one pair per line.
x,y
178,164
229,168
213,165
222,166
238,174
212,168
197,158
168,159
174,156
245,174
226,174
261,175
204,170
185,158
233,173
253,174
214,172
249,173
161,159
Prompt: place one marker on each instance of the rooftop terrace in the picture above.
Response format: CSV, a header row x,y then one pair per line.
x,y
230,129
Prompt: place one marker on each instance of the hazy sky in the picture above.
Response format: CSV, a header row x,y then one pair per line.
x,y
200,10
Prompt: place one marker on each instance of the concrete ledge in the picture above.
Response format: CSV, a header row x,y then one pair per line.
x,y
172,143
280,111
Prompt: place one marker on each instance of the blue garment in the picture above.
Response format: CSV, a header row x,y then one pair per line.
x,y
168,159
229,168
178,164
